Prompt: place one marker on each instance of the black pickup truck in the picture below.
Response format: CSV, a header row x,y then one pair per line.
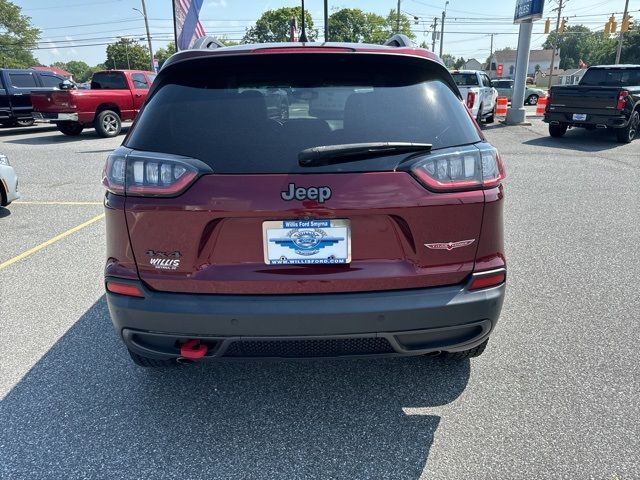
x,y
16,86
608,96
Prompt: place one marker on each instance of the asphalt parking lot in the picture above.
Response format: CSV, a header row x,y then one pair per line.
x,y
555,395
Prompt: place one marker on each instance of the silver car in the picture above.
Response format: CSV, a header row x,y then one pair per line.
x,y
8,182
505,89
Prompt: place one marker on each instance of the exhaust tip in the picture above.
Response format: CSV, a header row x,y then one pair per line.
x,y
185,361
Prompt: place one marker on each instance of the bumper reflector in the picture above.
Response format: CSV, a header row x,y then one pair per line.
x,y
124,289
486,281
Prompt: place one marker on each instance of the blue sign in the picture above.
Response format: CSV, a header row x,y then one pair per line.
x,y
528,10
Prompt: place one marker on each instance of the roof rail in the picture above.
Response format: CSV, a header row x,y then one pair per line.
x,y
207,42
399,40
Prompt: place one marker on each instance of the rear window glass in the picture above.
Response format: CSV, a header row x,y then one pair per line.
x,y
22,80
465,79
109,80
611,77
256,113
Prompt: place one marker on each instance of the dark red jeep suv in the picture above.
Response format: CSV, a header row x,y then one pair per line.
x,y
362,216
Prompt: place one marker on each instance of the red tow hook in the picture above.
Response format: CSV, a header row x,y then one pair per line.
x,y
193,350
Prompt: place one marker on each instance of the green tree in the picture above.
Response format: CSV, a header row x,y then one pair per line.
x,y
274,26
570,43
448,60
127,53
17,37
631,45
354,25
227,41
596,48
80,70
459,62
162,54
405,25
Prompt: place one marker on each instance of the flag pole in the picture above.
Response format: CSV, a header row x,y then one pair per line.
x,y
175,25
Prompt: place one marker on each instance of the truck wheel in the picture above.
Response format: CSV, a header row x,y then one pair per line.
x,y
628,133
491,118
151,362
532,99
471,353
558,130
479,115
26,123
107,124
70,128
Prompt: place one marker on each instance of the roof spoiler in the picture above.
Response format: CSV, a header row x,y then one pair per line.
x,y
399,40
207,43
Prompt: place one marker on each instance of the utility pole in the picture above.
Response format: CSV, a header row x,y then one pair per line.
x,y
619,51
490,52
146,26
303,34
444,14
398,18
326,20
434,35
555,44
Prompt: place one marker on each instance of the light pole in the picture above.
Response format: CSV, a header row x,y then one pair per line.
x,y
146,26
444,14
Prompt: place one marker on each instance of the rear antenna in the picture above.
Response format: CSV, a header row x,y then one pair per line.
x,y
303,35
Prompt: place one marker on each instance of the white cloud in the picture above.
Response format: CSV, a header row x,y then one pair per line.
x,y
217,3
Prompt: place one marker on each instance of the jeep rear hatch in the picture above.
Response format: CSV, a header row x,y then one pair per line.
x,y
218,200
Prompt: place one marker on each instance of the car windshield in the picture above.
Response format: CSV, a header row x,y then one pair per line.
x,y
262,112
611,77
465,79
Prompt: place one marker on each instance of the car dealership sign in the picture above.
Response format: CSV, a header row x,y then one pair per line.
x,y
528,10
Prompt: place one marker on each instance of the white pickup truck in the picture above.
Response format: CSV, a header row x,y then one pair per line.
x,y
478,93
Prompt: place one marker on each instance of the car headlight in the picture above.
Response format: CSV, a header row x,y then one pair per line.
x,y
4,160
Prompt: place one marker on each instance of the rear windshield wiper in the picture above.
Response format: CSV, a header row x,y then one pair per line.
x,y
352,152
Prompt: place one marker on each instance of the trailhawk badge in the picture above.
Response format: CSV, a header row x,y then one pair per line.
x,y
164,260
449,245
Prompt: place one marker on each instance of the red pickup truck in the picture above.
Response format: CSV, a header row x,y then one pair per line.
x,y
115,95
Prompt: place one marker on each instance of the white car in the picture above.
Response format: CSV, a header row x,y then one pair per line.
x,y
478,93
8,182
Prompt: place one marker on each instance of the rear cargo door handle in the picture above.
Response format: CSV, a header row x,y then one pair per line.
x,y
138,94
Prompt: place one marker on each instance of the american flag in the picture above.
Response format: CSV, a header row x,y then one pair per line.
x,y
187,23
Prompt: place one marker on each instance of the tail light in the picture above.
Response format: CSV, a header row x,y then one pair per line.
x,y
470,168
546,107
622,99
471,99
147,176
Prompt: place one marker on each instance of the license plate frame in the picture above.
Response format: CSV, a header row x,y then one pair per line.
x,y
307,242
579,117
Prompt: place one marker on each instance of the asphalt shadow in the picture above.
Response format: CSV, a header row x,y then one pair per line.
x,y
85,411
4,212
87,134
7,131
581,140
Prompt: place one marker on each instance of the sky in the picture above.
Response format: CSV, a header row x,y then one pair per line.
x,y
80,30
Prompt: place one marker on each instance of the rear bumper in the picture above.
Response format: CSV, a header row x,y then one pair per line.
x,y
403,322
613,121
55,117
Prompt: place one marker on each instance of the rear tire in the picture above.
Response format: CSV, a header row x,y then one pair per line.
x,y
471,353
70,128
558,130
532,99
147,362
26,123
107,124
479,115
628,133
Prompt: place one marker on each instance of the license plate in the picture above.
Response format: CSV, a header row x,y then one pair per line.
x,y
580,117
306,242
